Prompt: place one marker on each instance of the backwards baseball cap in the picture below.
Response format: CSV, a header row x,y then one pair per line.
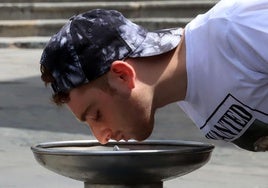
x,y
88,43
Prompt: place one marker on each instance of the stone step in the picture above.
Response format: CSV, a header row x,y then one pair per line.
x,y
36,33
32,1
23,42
64,10
25,28
30,23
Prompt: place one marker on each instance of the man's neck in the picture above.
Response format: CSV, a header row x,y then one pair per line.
x,y
172,85
162,78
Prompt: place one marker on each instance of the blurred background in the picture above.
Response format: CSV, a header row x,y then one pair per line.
x,y
28,117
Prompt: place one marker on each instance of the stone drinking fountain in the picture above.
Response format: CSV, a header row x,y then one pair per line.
x,y
122,164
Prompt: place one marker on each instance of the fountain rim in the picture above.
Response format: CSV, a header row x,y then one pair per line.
x,y
45,147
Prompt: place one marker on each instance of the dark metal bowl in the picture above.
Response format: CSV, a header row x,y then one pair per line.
x,y
144,162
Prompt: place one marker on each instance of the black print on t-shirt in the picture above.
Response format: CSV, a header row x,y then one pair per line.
x,y
231,123
231,119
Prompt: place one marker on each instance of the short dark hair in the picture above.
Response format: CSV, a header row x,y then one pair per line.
x,y
61,98
58,98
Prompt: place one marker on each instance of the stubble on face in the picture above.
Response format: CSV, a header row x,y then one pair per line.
x,y
131,115
134,109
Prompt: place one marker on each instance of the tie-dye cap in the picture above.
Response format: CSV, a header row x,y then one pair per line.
x,y
88,43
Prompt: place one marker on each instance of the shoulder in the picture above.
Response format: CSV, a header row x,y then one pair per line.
x,y
236,11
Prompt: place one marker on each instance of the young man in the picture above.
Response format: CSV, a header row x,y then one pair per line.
x,y
114,74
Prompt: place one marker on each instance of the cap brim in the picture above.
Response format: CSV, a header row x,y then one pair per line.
x,y
158,42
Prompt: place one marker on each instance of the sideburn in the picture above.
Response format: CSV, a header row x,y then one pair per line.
x,y
103,84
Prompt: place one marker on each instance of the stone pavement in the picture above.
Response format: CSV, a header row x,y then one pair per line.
x,y
28,117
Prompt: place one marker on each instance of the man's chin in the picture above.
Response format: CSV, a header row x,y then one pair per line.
x,y
143,137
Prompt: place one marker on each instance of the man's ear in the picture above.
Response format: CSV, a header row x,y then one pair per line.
x,y
122,75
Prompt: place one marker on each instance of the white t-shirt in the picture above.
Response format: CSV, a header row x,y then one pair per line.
x,y
227,68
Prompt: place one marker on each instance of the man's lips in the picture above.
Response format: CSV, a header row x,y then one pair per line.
x,y
119,136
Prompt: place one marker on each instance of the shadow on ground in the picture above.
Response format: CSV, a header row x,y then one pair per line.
x,y
25,103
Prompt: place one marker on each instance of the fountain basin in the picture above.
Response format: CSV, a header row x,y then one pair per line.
x,y
148,162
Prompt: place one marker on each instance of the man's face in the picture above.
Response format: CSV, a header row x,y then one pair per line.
x,y
112,115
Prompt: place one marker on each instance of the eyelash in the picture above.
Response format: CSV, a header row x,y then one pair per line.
x,y
97,116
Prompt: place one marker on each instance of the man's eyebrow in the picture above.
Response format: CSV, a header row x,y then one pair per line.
x,y
82,117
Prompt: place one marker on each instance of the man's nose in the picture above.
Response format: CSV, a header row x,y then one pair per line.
x,y
104,136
